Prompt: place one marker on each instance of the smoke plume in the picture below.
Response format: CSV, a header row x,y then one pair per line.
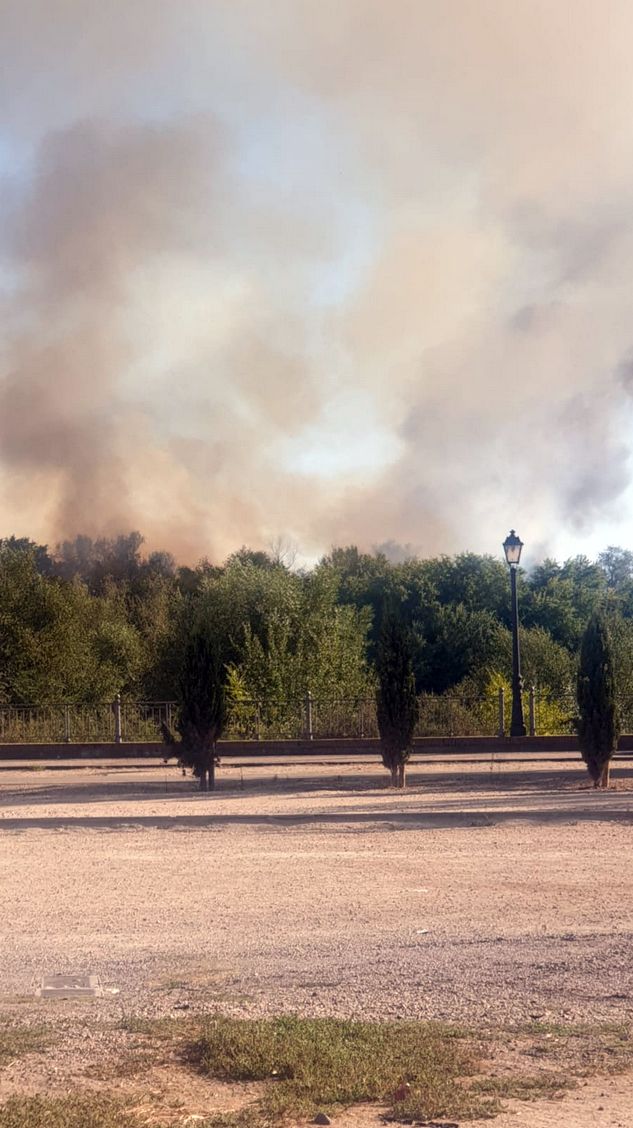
x,y
328,272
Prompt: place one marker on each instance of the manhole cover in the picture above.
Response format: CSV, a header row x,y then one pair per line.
x,y
70,987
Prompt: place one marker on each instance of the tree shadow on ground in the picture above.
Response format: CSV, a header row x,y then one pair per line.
x,y
430,786
602,808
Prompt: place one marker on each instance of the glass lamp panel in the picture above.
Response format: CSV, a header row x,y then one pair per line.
x,y
512,546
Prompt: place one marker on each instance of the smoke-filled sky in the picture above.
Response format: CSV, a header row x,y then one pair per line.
x,y
329,271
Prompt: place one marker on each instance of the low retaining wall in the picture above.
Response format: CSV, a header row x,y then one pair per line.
x,y
484,745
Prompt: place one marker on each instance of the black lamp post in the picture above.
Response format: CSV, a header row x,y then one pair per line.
x,y
512,546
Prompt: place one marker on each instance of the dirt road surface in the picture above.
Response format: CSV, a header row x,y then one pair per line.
x,y
486,893
477,894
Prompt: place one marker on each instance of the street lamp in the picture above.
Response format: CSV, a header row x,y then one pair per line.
x,y
512,546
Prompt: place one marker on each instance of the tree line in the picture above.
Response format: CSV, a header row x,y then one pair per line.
x,y
96,617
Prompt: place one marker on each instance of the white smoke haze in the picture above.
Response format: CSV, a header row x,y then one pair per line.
x,y
329,272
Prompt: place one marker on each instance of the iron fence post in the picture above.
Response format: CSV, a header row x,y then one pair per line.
x,y
118,730
309,730
532,711
502,712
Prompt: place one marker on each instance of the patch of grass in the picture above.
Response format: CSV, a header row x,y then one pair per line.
x,y
246,1118
441,1097
324,1064
66,1112
16,1041
418,1071
584,1049
153,1027
541,1086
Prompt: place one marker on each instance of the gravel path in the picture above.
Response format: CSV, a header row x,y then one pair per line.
x,y
479,895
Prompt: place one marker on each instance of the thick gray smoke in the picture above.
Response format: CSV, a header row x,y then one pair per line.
x,y
333,272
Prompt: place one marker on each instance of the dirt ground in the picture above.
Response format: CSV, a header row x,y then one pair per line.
x,y
490,892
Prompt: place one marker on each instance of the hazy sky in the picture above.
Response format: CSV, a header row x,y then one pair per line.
x,y
328,270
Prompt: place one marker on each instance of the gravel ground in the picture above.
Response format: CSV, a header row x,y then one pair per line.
x,y
479,895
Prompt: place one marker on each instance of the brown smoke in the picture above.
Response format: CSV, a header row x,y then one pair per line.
x,y
233,231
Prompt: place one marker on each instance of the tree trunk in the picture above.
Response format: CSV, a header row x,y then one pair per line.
x,y
394,775
402,776
203,777
604,775
212,768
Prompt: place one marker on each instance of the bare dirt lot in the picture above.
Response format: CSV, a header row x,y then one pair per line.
x,y
490,892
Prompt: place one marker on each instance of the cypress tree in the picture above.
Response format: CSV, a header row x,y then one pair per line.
x,y
597,724
202,701
396,699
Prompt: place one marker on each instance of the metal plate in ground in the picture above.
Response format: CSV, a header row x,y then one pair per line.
x,y
70,987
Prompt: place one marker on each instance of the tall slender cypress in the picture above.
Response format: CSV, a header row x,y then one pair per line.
x,y
396,700
202,704
597,724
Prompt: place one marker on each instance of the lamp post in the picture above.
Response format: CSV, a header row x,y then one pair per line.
x,y
512,546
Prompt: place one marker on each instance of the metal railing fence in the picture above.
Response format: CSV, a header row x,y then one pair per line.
x,y
103,723
454,713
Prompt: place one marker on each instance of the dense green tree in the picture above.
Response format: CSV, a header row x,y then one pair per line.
x,y
153,607
617,565
598,725
588,582
57,642
459,643
545,664
202,705
100,616
396,700
476,583
560,599
621,635
254,557
366,582
44,562
287,634
101,562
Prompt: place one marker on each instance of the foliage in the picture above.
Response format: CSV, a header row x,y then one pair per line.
x,y
202,701
74,1111
470,581
561,598
598,726
554,715
57,643
95,617
545,664
16,1041
327,1063
396,699
460,643
287,635
621,638
617,565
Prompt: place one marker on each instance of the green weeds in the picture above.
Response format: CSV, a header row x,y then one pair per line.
x,y
16,1041
324,1064
417,1071
94,1111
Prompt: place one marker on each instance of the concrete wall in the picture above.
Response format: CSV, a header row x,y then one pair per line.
x,y
309,748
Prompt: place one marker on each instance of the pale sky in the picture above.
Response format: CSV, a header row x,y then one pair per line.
x,y
331,272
